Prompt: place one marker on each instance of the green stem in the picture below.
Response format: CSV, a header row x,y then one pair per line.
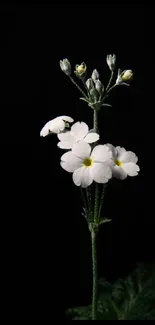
x,y
94,264
111,88
84,201
90,207
96,205
110,80
74,82
101,201
95,121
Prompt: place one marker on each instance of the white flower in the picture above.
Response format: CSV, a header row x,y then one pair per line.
x,y
79,131
123,162
111,61
56,125
87,166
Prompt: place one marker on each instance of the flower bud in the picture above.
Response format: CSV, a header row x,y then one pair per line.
x,y
127,75
65,66
111,61
124,77
95,75
80,70
99,86
89,84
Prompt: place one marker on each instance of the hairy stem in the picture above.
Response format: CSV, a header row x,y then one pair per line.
x,y
95,121
74,82
110,80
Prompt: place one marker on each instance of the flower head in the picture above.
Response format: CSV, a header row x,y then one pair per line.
x,y
56,125
123,163
111,61
87,166
80,69
65,66
79,131
124,78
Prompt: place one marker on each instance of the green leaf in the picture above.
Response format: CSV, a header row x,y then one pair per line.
x,y
131,298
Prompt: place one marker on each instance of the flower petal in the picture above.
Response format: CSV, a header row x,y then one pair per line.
x,y
81,149
118,172
65,144
120,152
70,162
101,172
91,137
131,169
54,126
114,151
66,140
101,153
129,156
65,136
65,118
79,129
82,177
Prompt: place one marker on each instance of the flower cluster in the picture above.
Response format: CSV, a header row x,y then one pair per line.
x,y
88,164
87,159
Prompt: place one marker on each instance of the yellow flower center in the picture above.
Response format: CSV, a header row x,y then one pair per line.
x,y
80,69
87,162
118,163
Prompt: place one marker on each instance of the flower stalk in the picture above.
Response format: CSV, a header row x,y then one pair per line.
x,y
94,267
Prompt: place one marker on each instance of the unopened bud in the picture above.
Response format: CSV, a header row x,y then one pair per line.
x,y
99,86
127,75
65,66
95,75
111,61
124,77
89,84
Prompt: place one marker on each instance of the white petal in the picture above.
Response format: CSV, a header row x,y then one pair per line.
x,y
66,140
91,137
44,131
82,177
79,129
54,126
120,152
65,118
65,144
101,153
118,172
81,149
65,136
131,168
114,151
129,156
101,172
69,162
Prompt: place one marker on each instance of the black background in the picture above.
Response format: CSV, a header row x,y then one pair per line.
x,y
45,243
